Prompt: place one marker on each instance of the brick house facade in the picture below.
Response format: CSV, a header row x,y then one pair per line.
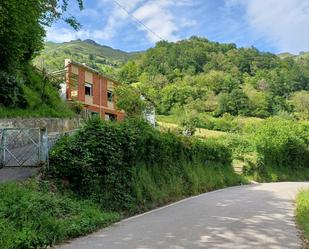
x,y
93,89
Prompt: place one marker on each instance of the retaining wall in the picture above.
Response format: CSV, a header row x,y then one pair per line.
x,y
52,124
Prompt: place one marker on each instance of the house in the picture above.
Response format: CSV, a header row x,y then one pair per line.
x,y
91,88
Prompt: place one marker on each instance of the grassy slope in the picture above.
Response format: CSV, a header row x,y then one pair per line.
x,y
52,106
33,217
97,56
302,214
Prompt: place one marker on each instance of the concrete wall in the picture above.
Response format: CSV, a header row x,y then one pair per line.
x,y
52,124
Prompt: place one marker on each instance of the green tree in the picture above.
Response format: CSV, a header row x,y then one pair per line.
x,y
235,103
22,27
129,99
300,101
128,73
258,102
22,32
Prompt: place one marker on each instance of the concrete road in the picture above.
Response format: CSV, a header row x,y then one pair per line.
x,y
253,216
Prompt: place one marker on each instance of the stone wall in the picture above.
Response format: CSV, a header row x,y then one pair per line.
x,y
52,124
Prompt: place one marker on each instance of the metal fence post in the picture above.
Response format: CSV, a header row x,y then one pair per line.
x,y
2,148
43,151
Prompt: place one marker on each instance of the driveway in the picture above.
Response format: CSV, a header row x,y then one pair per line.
x,y
252,216
8,174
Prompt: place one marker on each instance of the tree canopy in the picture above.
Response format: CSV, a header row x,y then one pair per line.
x,y
22,34
216,78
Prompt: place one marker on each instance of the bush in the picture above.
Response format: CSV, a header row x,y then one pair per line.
x,y
240,145
33,218
282,144
104,160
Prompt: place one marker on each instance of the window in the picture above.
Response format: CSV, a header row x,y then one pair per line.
x,y
110,116
110,96
94,114
88,89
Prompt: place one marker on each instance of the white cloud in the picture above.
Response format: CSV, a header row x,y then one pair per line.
x,y
62,34
161,17
284,23
158,16
116,18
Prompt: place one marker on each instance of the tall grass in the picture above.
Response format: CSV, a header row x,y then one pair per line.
x,y
302,214
157,186
33,217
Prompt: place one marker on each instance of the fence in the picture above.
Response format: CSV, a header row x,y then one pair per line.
x,y
27,147
53,137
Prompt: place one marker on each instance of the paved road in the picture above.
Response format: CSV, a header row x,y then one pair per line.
x,y
8,174
254,216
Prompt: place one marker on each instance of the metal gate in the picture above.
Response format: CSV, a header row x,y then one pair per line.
x,y
23,147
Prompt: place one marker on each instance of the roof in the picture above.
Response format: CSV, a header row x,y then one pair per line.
x,y
92,70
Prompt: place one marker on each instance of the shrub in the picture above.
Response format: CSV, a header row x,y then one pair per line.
x,y
282,143
104,159
240,145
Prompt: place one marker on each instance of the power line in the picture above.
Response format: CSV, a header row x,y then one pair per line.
x,y
138,21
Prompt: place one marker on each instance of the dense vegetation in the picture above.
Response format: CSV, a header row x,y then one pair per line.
x,y
38,96
282,149
132,166
97,56
200,76
302,214
272,149
32,216
23,89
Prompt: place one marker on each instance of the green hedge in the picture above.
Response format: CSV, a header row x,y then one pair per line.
x,y
111,163
282,144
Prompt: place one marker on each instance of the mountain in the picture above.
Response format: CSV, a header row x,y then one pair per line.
x,y
88,51
285,55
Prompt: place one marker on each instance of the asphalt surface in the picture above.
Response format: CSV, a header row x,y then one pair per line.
x,y
252,216
8,174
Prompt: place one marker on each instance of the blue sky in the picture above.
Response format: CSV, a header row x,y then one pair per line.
x,y
270,25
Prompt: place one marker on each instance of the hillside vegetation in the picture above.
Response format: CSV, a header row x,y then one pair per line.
x,y
34,95
200,76
97,56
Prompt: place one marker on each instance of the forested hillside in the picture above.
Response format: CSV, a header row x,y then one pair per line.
x,y
208,77
88,51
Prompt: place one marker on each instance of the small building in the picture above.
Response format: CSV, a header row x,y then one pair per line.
x,y
91,88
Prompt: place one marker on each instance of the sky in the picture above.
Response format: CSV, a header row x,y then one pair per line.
x,y
134,25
